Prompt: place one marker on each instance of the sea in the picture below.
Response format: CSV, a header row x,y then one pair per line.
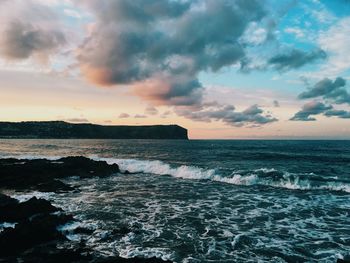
x,y
207,200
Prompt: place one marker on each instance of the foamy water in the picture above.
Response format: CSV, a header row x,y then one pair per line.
x,y
286,180
213,201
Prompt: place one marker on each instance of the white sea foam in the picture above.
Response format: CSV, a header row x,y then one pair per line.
x,y
238,179
287,180
236,240
146,252
68,229
69,226
265,170
157,167
22,197
161,168
6,225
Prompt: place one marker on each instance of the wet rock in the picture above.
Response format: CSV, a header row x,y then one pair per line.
x,y
36,223
28,234
14,211
84,231
53,186
35,237
57,256
85,167
53,253
44,175
7,201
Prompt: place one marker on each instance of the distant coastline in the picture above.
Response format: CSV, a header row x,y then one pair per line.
x,y
65,130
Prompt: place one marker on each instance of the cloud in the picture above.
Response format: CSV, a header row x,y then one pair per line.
x,y
150,110
123,115
338,113
295,59
309,109
28,29
165,114
140,116
276,103
170,90
227,114
160,46
20,41
255,34
335,41
72,13
328,89
299,33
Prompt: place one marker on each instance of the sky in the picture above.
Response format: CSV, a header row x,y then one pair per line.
x,y
223,69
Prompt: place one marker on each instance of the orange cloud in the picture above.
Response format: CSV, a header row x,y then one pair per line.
x,y
101,76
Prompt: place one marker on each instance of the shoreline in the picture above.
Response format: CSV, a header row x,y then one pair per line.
x,y
34,230
37,230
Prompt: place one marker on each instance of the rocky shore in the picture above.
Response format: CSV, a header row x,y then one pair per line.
x,y
34,230
31,231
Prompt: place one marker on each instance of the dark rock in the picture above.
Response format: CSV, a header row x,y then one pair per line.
x,y
35,224
16,212
35,237
53,186
85,167
57,256
7,201
82,230
54,253
44,175
29,233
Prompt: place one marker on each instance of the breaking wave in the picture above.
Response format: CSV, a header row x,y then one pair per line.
x,y
263,176
161,168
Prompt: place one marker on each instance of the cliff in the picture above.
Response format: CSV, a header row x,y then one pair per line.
x,y
64,130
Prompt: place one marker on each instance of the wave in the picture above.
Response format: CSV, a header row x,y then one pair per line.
x,y
263,176
289,182
161,168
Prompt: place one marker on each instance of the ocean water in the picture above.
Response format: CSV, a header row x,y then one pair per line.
x,y
208,201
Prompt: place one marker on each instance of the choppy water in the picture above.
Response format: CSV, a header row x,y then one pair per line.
x,y
210,201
